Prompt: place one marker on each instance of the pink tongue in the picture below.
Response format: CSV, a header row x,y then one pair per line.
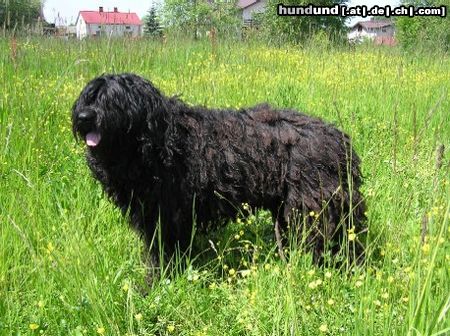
x,y
92,139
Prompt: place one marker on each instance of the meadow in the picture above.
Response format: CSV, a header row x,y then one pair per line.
x,y
70,265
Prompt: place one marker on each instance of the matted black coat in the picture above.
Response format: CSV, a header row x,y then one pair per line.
x,y
158,157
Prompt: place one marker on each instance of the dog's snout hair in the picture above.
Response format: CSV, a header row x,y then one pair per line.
x,y
85,116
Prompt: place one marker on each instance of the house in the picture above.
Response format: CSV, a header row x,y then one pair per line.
x,y
103,23
379,31
385,40
249,7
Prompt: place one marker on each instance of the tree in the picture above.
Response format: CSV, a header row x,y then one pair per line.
x,y
19,12
298,28
431,33
151,21
196,16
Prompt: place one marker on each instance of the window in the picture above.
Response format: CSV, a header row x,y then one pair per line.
x,y
384,30
127,27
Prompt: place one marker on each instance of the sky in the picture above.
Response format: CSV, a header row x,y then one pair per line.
x,y
67,11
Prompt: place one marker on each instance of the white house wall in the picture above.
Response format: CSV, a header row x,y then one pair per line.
x,y
115,30
371,33
81,28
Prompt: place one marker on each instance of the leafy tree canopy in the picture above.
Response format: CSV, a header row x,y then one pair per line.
x,y
297,28
428,32
17,12
201,15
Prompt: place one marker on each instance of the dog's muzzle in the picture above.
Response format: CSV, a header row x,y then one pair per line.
x,y
86,127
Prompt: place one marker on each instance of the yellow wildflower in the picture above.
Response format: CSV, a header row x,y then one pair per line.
x,y
50,248
312,285
351,234
315,284
323,328
378,275
34,326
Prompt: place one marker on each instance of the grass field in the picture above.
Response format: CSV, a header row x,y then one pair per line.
x,y
69,264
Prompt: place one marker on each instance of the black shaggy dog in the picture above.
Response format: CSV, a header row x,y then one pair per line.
x,y
161,159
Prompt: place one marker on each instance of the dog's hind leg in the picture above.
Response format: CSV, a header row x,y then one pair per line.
x,y
279,240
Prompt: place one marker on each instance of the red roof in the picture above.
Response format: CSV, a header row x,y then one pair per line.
x,y
374,24
246,3
95,17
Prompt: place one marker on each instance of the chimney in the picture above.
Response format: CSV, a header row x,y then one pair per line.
x,y
115,10
100,9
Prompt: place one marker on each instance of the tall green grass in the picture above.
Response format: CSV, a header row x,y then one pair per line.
x,y
69,264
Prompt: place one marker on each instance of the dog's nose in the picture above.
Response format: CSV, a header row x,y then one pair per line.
x,y
85,116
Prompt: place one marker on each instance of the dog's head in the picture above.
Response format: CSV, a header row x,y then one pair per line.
x,y
112,109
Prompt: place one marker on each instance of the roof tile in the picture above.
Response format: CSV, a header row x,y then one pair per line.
x,y
95,17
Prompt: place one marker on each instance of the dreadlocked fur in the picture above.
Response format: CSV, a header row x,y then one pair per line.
x,y
161,159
